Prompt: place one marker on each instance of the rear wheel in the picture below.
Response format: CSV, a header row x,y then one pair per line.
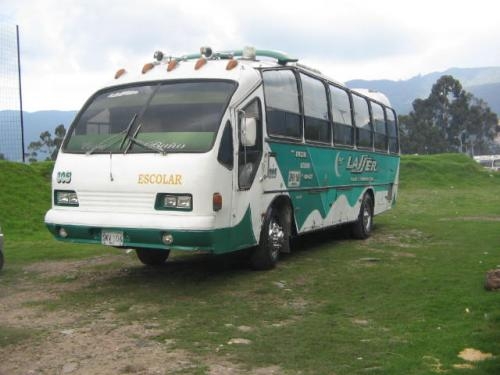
x,y
152,257
274,238
362,227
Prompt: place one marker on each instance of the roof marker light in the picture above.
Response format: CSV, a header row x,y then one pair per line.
x,y
249,53
147,67
206,52
231,64
119,73
202,61
158,55
172,65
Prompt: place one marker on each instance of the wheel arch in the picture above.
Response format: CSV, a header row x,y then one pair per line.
x,y
284,204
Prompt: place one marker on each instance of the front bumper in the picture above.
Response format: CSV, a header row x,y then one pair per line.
x,y
191,233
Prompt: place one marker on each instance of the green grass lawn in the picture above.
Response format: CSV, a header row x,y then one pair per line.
x,y
405,301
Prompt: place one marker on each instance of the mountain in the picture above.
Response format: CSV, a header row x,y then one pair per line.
x,y
38,122
34,124
483,83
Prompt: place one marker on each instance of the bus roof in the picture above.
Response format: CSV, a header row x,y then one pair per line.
x,y
223,65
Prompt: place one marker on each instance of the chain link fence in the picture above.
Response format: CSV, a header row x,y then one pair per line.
x,y
11,131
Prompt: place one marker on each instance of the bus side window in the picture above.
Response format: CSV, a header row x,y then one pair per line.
x,y
225,156
362,121
316,123
249,156
282,104
380,131
343,130
392,130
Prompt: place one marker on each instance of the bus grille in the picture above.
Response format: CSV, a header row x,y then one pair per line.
x,y
116,202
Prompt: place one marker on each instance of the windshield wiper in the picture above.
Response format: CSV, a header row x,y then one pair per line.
x,y
127,133
111,140
107,142
134,140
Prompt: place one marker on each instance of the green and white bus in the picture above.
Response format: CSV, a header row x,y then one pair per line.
x,y
218,152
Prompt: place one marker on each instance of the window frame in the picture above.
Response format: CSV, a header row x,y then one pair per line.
x,y
351,116
375,133
358,128
396,128
293,139
328,120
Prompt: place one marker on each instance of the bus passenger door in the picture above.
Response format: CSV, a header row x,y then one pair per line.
x,y
248,189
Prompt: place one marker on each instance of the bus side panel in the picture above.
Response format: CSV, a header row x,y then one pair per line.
x,y
326,185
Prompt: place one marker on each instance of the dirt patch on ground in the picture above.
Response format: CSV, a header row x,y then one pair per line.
x,y
474,355
91,340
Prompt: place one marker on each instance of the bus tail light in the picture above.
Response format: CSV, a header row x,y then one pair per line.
x,y
217,201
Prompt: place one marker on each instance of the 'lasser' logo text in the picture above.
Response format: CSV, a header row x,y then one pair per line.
x,y
361,164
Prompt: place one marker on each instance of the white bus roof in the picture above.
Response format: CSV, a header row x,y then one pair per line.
x,y
230,65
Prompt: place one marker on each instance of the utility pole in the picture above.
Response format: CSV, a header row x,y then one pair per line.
x,y
20,92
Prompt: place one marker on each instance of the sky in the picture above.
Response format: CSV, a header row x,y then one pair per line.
x,y
71,48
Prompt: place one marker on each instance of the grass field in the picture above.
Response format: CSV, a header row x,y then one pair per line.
x,y
406,301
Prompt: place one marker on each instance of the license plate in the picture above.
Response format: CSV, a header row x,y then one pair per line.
x,y
112,238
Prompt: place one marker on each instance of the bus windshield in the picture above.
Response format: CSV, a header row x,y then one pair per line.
x,y
154,117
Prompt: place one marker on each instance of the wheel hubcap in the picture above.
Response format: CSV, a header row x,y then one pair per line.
x,y
276,236
367,219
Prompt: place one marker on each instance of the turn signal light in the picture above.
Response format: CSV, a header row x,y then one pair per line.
x,y
217,201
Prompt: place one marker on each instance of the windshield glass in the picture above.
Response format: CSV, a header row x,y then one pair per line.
x,y
168,117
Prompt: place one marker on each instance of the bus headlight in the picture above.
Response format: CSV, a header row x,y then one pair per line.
x,y
66,198
181,202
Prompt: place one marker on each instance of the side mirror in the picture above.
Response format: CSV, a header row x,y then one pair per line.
x,y
248,133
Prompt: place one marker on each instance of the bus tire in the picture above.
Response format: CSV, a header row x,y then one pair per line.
x,y
152,257
274,238
362,227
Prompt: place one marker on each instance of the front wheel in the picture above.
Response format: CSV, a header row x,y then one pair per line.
x,y
274,238
362,227
152,257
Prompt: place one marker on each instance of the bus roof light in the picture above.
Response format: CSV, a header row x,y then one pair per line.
x,y
231,64
147,67
172,65
199,64
119,73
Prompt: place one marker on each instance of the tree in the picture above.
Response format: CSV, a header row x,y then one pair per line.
x,y
47,145
449,120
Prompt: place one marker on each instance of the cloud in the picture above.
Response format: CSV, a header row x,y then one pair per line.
x,y
70,48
